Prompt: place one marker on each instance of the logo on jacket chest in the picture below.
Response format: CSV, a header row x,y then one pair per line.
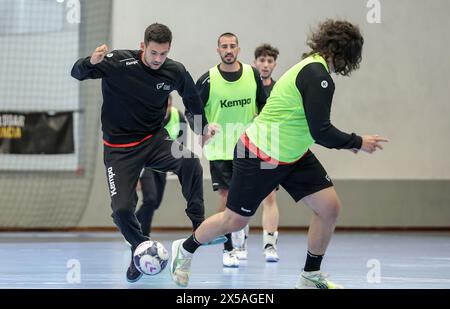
x,y
163,86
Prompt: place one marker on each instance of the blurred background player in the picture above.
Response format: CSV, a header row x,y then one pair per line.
x,y
153,182
265,62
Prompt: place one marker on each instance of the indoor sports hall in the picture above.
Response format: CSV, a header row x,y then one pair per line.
x,y
56,224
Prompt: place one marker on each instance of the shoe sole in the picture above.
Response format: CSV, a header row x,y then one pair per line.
x,y
231,266
135,280
306,287
314,286
272,260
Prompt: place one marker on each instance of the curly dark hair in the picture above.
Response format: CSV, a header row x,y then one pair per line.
x,y
338,41
266,50
158,33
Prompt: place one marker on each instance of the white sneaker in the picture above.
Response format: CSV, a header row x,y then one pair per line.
x,y
230,259
271,254
315,280
241,253
180,266
238,239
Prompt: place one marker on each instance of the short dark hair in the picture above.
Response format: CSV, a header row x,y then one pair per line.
x,y
266,50
227,34
158,33
339,40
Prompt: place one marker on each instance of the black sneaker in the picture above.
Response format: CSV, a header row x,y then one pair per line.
x,y
133,274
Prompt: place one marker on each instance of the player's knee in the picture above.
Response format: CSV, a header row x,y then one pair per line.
x,y
241,223
121,215
234,221
151,203
331,212
193,163
269,201
223,193
189,166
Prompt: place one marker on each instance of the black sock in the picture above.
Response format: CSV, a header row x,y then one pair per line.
x,y
313,262
191,244
228,245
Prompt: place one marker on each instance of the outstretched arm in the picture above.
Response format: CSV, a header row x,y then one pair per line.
x,y
94,66
317,89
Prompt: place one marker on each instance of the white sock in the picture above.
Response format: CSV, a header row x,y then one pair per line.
x,y
270,239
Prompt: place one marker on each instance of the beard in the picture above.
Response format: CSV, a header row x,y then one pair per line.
x,y
233,59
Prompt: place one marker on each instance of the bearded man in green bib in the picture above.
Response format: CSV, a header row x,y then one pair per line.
x,y
233,94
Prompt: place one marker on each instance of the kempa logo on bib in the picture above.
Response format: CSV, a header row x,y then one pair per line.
x,y
324,84
240,102
112,185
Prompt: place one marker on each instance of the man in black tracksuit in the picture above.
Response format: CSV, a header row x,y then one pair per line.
x,y
136,86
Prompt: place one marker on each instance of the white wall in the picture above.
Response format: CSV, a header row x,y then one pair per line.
x,y
401,90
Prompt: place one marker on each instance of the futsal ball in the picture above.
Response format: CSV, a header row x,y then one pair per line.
x,y
150,257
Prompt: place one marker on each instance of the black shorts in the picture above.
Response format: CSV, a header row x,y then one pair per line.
x,y
221,172
251,183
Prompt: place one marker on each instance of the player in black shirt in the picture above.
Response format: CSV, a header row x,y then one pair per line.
x,y
136,86
233,80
